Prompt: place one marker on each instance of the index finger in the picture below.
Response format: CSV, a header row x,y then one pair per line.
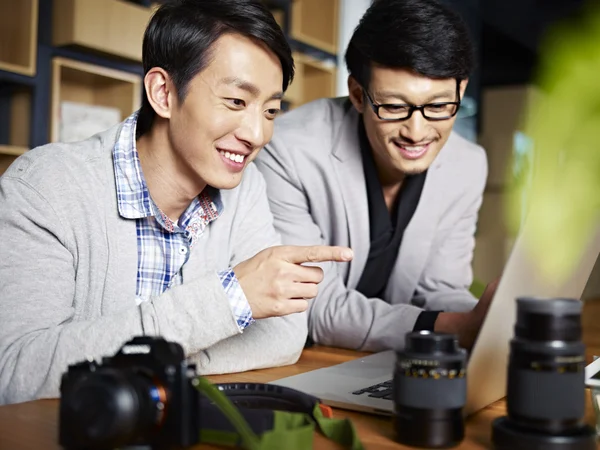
x,y
317,253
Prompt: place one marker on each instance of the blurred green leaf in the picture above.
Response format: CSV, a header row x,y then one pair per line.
x,y
562,188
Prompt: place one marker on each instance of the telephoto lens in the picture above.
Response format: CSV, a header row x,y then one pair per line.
x,y
110,409
430,390
546,380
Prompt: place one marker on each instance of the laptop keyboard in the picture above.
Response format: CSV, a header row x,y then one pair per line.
x,y
381,390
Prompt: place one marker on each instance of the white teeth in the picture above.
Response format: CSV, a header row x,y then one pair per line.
x,y
232,156
415,148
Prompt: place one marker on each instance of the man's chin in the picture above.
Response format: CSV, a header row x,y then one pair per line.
x,y
226,182
414,167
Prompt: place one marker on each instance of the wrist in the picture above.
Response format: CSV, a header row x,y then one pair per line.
x,y
426,320
456,323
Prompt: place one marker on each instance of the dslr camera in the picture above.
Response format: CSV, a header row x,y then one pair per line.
x,y
143,396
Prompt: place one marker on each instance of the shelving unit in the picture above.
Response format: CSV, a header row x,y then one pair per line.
x,y
92,25
90,84
12,150
89,51
279,16
19,107
314,22
18,36
17,104
314,79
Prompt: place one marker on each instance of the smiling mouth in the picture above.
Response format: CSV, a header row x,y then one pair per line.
x,y
235,157
413,148
413,152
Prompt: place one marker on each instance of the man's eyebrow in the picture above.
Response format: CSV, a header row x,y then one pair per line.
x,y
241,84
397,96
248,87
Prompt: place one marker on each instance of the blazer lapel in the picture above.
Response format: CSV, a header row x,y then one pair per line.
x,y
348,165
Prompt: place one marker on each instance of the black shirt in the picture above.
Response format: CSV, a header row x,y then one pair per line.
x,y
387,228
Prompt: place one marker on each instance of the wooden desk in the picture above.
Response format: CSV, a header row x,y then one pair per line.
x,y
34,425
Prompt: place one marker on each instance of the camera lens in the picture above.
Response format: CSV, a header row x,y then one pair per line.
x,y
430,390
547,366
109,409
546,380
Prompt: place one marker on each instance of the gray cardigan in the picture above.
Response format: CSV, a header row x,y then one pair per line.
x,y
68,266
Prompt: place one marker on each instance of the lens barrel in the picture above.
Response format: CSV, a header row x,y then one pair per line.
x,y
546,379
546,371
429,390
109,409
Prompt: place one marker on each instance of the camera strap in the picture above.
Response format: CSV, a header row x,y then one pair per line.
x,y
265,429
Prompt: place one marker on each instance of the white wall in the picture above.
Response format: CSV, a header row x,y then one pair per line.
x,y
349,15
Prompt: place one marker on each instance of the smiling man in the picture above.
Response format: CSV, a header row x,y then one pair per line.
x,y
160,225
383,172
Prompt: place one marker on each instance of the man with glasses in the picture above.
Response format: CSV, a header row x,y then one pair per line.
x,y
382,172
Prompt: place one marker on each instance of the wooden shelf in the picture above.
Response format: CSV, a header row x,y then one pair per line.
x,y
89,84
18,35
83,30
12,150
315,22
314,79
19,112
114,27
279,16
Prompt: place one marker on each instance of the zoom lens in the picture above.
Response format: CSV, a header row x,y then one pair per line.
x,y
547,366
109,409
546,380
430,390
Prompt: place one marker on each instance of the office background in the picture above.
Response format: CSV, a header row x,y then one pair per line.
x,y
70,67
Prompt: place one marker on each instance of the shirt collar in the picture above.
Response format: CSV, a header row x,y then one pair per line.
x,y
133,196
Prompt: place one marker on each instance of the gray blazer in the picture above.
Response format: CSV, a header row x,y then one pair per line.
x,y
316,188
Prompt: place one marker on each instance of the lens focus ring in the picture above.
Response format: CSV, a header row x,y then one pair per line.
x,y
545,388
443,393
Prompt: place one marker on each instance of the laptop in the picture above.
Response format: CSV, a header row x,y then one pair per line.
x,y
365,384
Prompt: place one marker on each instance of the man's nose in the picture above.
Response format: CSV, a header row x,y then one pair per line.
x,y
415,128
251,130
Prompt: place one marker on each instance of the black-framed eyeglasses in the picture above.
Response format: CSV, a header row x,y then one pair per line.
x,y
404,111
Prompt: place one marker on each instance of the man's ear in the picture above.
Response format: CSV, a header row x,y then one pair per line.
x,y
463,87
357,97
160,92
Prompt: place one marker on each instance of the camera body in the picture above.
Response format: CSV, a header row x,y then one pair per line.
x,y
143,395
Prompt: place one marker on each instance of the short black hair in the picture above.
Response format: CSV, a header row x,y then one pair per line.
x,y
181,33
423,36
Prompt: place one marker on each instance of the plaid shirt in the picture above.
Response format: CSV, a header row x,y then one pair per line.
x,y
164,245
